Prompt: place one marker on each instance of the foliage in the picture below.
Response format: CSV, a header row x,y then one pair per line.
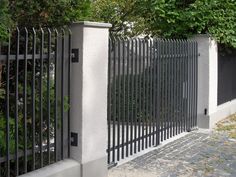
x,y
28,122
175,18
4,19
170,18
40,13
48,12
121,14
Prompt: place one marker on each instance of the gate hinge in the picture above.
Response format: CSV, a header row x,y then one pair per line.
x,y
75,55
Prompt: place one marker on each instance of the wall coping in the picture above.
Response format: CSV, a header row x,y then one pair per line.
x,y
92,24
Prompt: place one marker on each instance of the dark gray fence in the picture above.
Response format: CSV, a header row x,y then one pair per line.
x,y
152,93
34,111
226,75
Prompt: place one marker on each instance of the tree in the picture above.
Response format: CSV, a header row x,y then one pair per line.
x,y
40,13
4,19
170,18
181,19
121,14
48,12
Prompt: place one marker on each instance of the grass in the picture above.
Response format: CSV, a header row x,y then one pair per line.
x,y
221,127
228,125
232,134
233,118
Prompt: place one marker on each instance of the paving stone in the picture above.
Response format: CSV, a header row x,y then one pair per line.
x,y
196,154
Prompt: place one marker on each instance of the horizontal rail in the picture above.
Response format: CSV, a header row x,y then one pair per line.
x,y
28,57
29,152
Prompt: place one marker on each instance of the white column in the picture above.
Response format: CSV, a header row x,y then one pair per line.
x,y
89,97
207,80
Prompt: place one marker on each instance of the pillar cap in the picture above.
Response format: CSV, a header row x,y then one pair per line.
x,y
92,24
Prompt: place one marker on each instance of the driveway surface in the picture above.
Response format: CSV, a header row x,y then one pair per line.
x,y
199,153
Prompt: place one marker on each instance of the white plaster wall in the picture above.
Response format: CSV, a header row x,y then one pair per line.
x,y
213,76
65,168
208,85
95,68
203,79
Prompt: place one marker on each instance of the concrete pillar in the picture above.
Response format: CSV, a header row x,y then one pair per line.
x,y
207,80
89,97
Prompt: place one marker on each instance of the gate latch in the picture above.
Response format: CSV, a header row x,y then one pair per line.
x,y
75,56
74,139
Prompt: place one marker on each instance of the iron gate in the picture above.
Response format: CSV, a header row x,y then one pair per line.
x,y
152,93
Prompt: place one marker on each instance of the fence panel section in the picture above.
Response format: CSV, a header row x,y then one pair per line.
x,y
152,93
34,115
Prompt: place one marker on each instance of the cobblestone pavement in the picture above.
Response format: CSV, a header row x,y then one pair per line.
x,y
199,153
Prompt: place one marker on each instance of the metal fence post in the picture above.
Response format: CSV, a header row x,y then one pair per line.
x,y
89,97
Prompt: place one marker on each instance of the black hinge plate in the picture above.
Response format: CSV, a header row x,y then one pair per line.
x,y
74,139
75,55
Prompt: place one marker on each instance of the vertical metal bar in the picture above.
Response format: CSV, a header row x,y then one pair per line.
x,y
48,96
196,80
174,112
114,103
191,83
41,99
128,96
188,49
158,99
148,85
123,101
132,139
194,83
25,100
8,106
69,98
147,92
151,66
182,83
166,90
162,88
119,95
55,96
16,101
136,94
185,51
178,87
171,88
140,93
144,96
33,100
62,92
188,46
155,93
109,103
